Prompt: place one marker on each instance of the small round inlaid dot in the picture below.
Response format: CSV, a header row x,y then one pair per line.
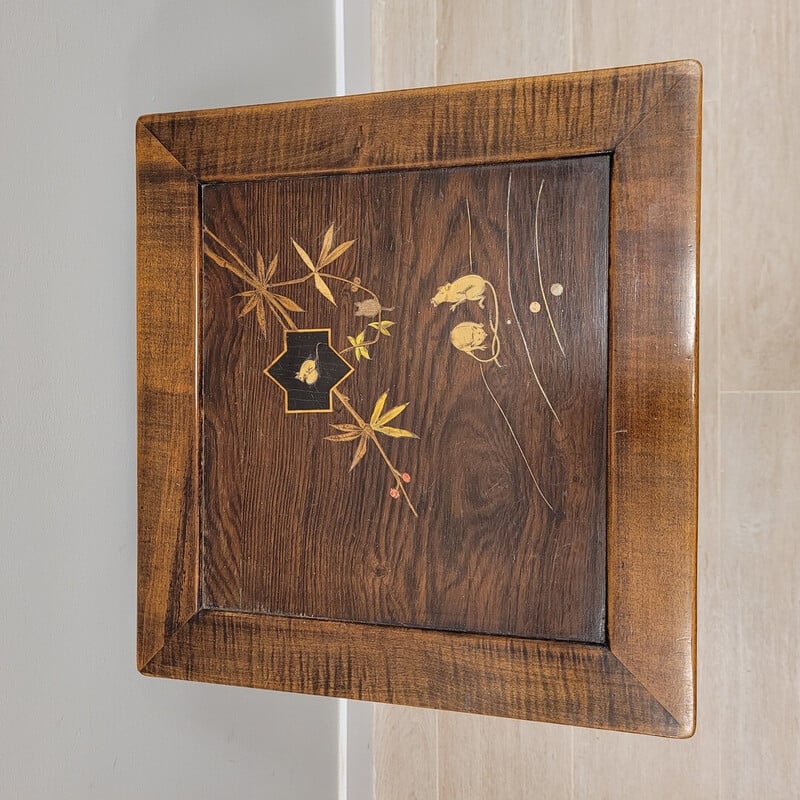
x,y
556,289
535,307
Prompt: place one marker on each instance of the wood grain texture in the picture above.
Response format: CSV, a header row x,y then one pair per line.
x,y
167,253
482,757
653,457
527,119
760,594
759,176
607,765
558,116
528,678
486,554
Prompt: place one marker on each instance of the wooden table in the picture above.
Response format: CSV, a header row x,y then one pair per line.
x,y
418,396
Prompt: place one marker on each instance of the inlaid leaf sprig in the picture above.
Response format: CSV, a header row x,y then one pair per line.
x,y
259,296
382,326
364,432
326,256
359,343
359,346
377,424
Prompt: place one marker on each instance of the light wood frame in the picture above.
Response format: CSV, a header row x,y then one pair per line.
x,y
648,119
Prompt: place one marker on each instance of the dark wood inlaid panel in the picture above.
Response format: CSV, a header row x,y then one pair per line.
x,y
499,523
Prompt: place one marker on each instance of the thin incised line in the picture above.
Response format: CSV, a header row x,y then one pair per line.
x,y
469,225
516,441
514,307
539,269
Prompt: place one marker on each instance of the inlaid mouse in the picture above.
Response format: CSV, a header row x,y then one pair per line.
x,y
309,369
467,287
468,337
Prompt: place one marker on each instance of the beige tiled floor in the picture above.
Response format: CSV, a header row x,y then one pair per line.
x,y
760,579
760,195
746,745
406,753
404,43
468,42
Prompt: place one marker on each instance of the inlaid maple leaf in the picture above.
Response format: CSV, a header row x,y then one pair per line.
x,y
258,297
377,424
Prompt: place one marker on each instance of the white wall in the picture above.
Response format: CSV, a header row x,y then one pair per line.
x,y
76,719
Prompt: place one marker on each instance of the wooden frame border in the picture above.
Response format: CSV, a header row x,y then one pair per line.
x,y
648,118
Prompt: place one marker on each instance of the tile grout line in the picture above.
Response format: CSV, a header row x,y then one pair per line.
x,y
572,764
341,718
571,23
718,232
759,391
435,42
436,716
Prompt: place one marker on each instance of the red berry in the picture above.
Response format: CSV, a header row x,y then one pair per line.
x,y
394,492
406,477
